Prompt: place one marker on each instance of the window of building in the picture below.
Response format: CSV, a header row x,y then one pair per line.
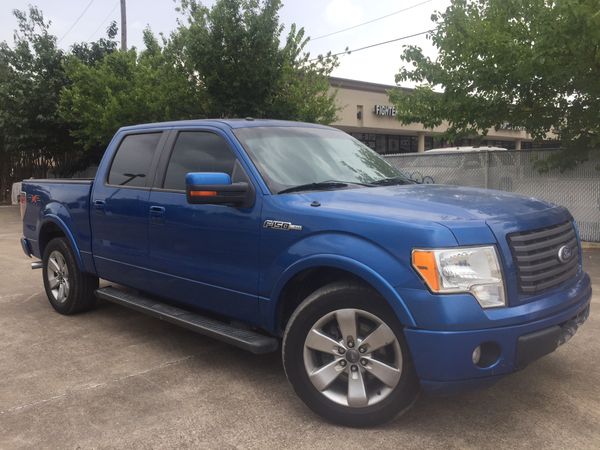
x,y
393,144
132,162
388,143
197,151
381,144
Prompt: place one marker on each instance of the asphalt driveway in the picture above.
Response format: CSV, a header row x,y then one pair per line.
x,y
115,378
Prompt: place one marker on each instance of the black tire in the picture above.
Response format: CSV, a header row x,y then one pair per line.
x,y
81,286
324,301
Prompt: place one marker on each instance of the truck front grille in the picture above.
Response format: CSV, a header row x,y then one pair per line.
x,y
536,254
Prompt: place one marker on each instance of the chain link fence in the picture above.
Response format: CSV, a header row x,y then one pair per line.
x,y
517,171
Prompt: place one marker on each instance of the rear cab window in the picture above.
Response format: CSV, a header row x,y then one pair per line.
x,y
131,165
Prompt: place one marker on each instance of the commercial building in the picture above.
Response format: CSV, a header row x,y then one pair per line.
x,y
366,113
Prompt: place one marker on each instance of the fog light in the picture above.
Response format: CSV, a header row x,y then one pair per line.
x,y
476,355
486,354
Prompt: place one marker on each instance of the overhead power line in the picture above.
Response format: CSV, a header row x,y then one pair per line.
x,y
77,20
371,21
104,20
347,52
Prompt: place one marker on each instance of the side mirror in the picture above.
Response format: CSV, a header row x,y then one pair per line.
x,y
216,188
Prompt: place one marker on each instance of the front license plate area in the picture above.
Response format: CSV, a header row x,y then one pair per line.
x,y
534,345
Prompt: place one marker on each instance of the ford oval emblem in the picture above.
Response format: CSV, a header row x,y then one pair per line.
x,y
564,254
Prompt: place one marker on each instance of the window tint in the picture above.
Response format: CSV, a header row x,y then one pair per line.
x,y
132,161
197,151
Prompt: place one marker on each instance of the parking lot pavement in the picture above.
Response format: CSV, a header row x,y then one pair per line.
x,y
116,378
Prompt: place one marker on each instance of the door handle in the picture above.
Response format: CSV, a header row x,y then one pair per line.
x,y
157,211
99,204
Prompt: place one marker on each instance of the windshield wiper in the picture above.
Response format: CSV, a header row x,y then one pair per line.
x,y
391,181
315,186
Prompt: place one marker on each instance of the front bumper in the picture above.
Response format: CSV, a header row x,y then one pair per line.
x,y
443,359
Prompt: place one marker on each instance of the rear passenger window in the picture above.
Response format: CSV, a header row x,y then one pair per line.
x,y
197,151
132,162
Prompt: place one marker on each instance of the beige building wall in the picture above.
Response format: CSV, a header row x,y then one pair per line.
x,y
358,100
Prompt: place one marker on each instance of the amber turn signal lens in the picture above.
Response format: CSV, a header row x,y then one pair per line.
x,y
203,193
424,263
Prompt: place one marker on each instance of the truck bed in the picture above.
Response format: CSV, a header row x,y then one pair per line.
x,y
63,203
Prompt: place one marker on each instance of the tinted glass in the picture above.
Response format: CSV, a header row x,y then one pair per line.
x,y
132,161
293,156
197,151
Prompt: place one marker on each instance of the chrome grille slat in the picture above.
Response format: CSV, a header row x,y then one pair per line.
x,y
536,256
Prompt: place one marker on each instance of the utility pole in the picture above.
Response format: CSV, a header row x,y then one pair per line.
x,y
123,26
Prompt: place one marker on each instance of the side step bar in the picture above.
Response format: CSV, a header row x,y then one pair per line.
x,y
245,339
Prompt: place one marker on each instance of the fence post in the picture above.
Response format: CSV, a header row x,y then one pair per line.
x,y
487,169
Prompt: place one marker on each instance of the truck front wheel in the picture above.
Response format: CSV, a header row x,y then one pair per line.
x,y
69,290
344,354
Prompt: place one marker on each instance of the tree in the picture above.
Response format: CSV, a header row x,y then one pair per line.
x,y
233,50
92,52
33,137
534,64
124,88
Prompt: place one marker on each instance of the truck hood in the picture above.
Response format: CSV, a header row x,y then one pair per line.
x,y
439,203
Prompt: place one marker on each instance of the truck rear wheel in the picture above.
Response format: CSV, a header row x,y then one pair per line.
x,y
69,290
345,355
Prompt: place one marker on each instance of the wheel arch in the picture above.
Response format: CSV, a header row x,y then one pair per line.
x,y
52,227
309,274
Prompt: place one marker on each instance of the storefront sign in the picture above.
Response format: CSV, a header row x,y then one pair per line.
x,y
384,110
509,127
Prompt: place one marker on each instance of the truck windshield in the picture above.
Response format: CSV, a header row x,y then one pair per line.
x,y
290,157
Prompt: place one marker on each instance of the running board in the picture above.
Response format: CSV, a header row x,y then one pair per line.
x,y
240,337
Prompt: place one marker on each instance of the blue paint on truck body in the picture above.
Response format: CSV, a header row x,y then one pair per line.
x,y
221,258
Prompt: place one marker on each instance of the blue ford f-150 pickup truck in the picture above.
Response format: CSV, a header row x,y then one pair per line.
x,y
257,231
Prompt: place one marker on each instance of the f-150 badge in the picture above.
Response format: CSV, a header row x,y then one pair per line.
x,y
279,225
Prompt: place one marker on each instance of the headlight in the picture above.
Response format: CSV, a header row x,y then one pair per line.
x,y
463,269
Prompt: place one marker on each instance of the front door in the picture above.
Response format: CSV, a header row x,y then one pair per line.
x,y
205,256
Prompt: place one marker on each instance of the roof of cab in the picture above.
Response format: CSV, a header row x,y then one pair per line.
x,y
223,123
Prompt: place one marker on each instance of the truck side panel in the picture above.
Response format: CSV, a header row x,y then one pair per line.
x,y
63,204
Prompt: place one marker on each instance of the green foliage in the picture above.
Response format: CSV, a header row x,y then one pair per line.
x,y
32,134
124,88
233,49
91,52
534,64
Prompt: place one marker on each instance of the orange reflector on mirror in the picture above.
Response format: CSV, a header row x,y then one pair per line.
x,y
203,193
424,263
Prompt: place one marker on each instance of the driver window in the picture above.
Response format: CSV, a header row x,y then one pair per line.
x,y
198,151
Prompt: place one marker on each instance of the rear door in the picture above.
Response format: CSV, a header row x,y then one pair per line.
x,y
203,255
119,209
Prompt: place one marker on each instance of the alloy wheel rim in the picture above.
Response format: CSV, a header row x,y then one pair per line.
x,y
58,276
353,358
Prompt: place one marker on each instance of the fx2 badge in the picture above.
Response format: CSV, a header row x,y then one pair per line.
x,y
279,225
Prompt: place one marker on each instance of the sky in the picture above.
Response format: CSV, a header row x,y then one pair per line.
x,y
318,17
